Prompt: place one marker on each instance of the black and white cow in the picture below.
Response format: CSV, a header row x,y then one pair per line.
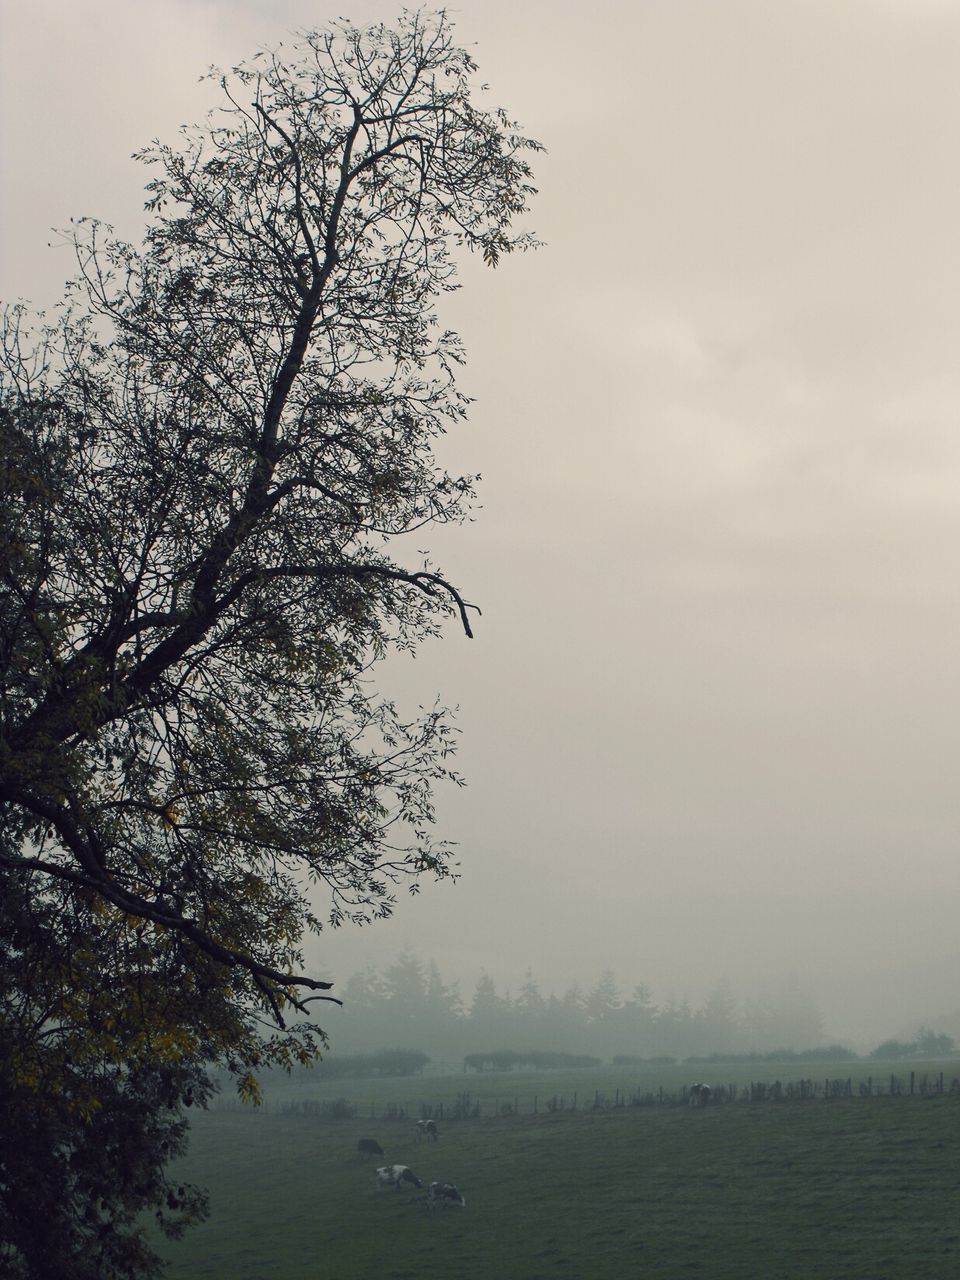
x,y
427,1129
442,1194
395,1175
369,1147
699,1095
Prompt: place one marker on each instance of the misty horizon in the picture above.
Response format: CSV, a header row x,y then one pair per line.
x,y
775,1015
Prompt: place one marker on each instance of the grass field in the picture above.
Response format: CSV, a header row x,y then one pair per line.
x,y
846,1189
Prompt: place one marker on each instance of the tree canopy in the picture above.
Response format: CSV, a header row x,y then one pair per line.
x,y
210,458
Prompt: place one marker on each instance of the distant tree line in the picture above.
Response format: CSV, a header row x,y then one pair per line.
x,y
410,1004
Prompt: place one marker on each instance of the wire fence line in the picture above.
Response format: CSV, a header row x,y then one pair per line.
x,y
467,1106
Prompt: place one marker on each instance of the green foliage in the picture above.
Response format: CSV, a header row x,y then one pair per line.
x,y
206,459
90,1111
81,1167
93,1096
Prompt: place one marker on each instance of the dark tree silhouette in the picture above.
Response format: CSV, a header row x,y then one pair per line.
x,y
207,459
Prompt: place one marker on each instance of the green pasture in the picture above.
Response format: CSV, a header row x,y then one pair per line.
x,y
864,1189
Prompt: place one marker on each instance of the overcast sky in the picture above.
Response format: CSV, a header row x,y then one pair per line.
x,y
711,716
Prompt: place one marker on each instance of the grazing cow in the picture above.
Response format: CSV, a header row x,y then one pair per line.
x,y
442,1194
369,1147
395,1175
699,1095
426,1129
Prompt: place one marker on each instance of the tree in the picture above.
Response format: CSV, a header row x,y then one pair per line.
x,y
207,458
784,1018
530,1004
85,1132
637,1024
928,1044
364,990
717,1026
488,1013
570,1025
674,1028
604,1000
406,992
933,1044
485,1002
444,1002
894,1049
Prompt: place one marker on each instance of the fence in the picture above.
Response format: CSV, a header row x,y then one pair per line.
x,y
468,1107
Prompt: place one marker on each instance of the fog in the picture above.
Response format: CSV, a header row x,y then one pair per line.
x,y
711,716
